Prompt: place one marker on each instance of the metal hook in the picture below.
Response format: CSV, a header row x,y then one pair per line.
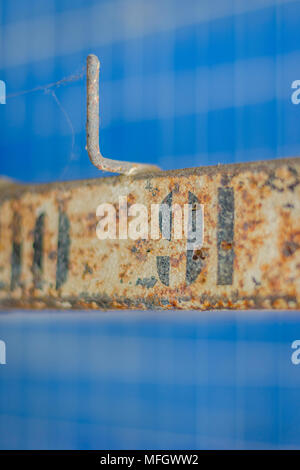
x,y
92,128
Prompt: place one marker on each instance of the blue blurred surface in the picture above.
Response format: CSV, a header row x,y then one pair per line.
x,y
150,380
182,84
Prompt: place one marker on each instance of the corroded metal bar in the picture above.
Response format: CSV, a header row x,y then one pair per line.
x,y
92,128
50,256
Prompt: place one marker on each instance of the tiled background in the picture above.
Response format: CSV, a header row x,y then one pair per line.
x,y
183,83
150,380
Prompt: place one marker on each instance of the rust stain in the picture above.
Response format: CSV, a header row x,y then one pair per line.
x,y
122,274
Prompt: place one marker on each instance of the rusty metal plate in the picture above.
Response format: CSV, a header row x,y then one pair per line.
x,y
50,256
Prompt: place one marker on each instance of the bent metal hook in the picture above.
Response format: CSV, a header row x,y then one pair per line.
x,y
92,128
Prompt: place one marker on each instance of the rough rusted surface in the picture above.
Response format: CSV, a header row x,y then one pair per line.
x,y
51,257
